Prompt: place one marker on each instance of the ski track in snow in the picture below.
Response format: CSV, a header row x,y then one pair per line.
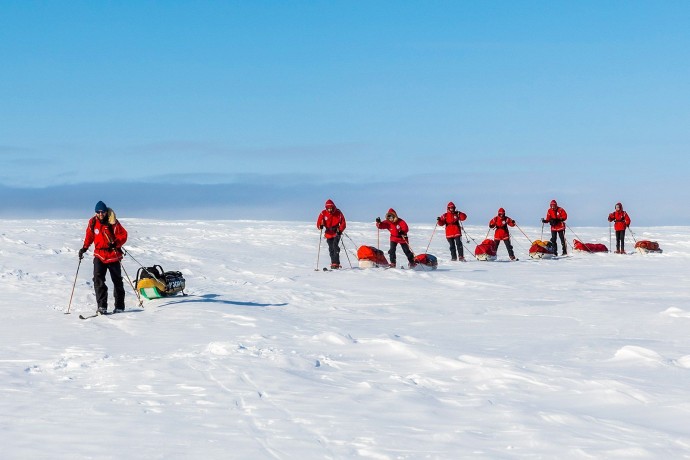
x,y
584,357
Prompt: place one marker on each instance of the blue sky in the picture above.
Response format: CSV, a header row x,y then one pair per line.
x,y
265,109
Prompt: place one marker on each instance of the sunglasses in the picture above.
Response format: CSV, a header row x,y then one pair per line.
x,y
101,212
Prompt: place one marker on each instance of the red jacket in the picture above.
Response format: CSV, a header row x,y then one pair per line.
x,y
452,222
556,217
101,234
332,222
621,219
397,227
501,224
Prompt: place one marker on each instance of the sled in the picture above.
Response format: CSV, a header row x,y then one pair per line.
x,y
371,257
154,282
646,247
541,249
589,247
486,250
425,262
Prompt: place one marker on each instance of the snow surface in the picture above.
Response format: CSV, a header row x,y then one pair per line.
x,y
582,357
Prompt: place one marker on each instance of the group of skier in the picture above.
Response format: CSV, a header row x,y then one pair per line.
x,y
108,236
333,221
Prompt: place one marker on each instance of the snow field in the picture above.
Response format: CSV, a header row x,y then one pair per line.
x,y
582,357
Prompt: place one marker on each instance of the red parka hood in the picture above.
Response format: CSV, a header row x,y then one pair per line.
x,y
553,203
619,205
329,203
501,211
391,212
451,205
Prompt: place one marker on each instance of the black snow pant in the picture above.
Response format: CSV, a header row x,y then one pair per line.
x,y
406,249
620,240
99,270
509,247
456,242
561,234
334,249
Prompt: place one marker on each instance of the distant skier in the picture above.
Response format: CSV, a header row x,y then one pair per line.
x,y
108,236
501,223
556,217
333,220
622,221
451,220
398,229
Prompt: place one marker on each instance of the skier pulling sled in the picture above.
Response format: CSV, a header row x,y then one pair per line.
x,y
541,249
646,247
154,282
589,247
486,250
371,257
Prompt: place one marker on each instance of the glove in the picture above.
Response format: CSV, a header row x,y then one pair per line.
x,y
439,220
112,246
378,220
544,221
338,232
81,253
321,227
492,225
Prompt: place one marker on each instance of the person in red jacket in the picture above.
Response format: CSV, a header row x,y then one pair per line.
x,y
556,217
622,221
398,229
108,236
333,220
501,223
451,220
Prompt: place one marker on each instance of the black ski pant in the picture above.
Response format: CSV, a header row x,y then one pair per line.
x,y
620,240
509,247
334,249
456,242
561,234
99,271
406,249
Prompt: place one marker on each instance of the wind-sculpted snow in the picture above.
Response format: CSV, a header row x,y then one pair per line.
x,y
270,357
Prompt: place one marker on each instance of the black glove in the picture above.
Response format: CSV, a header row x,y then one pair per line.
x,y
378,220
544,221
492,225
338,232
81,253
112,246
321,227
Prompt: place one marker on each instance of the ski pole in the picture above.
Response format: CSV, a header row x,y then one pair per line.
x,y
342,242
73,286
576,236
467,235
528,239
432,236
541,238
318,253
129,280
610,240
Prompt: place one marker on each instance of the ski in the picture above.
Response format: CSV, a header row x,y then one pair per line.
x,y
88,317
101,314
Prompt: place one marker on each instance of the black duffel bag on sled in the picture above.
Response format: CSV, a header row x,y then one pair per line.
x,y
154,282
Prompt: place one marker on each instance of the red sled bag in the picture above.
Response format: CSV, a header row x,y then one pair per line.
x,y
589,247
646,246
369,257
541,249
425,262
486,250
